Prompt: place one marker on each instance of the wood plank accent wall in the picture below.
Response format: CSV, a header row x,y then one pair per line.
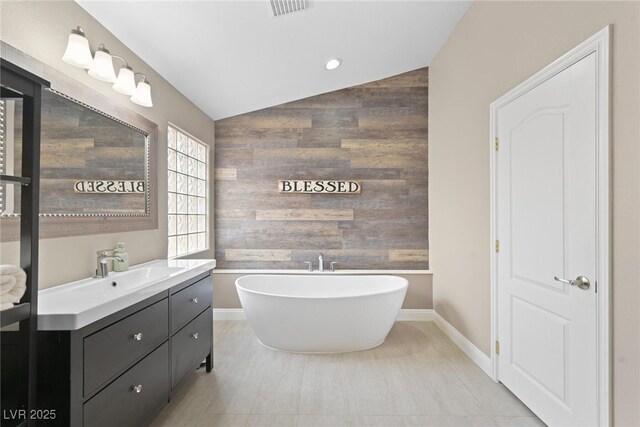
x,y
374,133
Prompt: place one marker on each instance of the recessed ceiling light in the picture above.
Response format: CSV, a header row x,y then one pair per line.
x,y
333,63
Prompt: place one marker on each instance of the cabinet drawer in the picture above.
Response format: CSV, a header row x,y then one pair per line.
x,y
120,404
190,346
112,349
189,302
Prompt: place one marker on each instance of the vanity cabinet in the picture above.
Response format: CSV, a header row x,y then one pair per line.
x,y
188,302
110,350
190,346
134,396
191,325
122,369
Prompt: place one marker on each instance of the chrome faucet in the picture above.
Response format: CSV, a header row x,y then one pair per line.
x,y
320,262
102,268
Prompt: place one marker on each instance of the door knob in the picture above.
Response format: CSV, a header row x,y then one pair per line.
x,y
580,281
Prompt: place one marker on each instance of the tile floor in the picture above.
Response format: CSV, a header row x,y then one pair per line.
x,y
418,377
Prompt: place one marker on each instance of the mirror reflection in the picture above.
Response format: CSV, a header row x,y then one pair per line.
x,y
91,164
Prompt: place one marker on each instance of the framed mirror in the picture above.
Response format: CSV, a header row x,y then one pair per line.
x,y
98,161
91,164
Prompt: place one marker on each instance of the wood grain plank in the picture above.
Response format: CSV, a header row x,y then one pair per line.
x,y
419,255
270,121
258,255
411,145
399,118
226,174
234,213
416,78
305,215
387,160
233,157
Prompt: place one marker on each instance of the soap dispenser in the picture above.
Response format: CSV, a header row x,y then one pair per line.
x,y
121,252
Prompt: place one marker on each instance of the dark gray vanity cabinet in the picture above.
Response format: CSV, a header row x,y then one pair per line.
x,y
192,329
133,398
122,369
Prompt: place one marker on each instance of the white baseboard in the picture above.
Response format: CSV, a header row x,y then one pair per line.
x,y
474,353
416,315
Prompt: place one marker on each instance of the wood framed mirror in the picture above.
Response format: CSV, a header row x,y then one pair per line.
x,y
98,160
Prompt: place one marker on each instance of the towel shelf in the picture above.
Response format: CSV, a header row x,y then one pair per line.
x,y
12,179
15,314
19,357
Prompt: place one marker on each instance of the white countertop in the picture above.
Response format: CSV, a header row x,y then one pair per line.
x,y
77,304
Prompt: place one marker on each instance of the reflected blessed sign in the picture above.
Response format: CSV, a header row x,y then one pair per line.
x,y
320,187
108,187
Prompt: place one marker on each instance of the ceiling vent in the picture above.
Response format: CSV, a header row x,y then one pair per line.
x,y
285,7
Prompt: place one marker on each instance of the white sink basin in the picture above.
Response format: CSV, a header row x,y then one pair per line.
x,y
117,283
76,304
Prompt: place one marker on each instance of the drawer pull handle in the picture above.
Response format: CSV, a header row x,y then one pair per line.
x,y
137,337
194,336
194,300
137,388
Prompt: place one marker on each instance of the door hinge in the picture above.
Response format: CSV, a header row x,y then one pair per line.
x,y
497,245
497,143
498,347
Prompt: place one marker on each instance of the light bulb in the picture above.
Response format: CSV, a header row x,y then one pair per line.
x,y
142,95
125,83
78,53
333,63
102,68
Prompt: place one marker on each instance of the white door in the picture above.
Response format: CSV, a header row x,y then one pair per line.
x,y
547,259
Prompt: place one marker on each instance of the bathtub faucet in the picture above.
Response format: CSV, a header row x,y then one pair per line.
x,y
320,262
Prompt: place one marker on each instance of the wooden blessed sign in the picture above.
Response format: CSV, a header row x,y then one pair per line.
x,y
108,187
319,187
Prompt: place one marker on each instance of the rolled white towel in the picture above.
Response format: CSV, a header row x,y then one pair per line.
x,y
7,283
13,284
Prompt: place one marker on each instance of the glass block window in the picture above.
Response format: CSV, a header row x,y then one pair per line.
x,y
187,187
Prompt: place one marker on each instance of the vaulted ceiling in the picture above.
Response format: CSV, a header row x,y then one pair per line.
x,y
232,57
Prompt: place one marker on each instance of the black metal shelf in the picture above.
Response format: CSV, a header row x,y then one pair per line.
x,y
19,348
16,314
15,179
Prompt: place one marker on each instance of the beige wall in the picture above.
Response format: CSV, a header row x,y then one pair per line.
x,y
40,29
419,293
496,46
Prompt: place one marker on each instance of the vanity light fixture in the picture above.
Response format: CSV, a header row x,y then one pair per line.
x,y
333,63
142,95
100,67
78,53
126,81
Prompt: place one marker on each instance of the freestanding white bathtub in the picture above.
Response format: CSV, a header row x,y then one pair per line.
x,y
322,313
